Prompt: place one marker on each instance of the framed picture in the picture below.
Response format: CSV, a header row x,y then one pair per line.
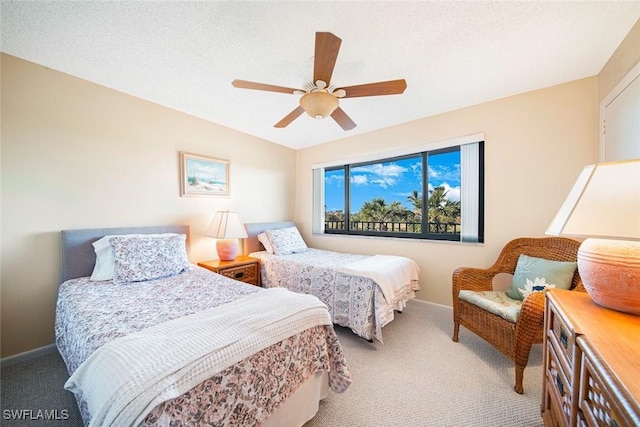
x,y
203,176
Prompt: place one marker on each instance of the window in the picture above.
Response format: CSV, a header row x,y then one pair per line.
x,y
386,197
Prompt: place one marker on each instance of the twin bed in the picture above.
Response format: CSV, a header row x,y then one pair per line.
x,y
223,352
361,292
150,339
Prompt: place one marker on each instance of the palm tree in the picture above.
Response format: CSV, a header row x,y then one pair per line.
x,y
416,201
441,210
378,211
336,215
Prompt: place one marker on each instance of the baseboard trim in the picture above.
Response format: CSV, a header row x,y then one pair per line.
x,y
421,301
27,355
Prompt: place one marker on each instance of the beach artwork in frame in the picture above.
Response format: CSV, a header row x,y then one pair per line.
x,y
203,176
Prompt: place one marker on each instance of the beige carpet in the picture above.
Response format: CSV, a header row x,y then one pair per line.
x,y
419,377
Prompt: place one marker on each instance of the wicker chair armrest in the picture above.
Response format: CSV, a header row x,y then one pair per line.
x,y
530,325
532,311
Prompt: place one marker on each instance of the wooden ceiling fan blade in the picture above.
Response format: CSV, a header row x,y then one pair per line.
x,y
391,87
326,53
289,118
342,119
243,84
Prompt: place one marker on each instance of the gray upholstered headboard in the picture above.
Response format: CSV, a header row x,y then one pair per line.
x,y
251,243
78,256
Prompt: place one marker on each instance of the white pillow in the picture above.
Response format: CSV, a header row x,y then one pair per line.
x,y
264,239
105,258
105,261
286,241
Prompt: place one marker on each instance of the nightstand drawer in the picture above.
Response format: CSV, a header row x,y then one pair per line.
x,y
244,273
243,268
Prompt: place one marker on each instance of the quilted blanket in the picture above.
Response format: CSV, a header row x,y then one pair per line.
x,y
91,314
354,301
125,379
391,273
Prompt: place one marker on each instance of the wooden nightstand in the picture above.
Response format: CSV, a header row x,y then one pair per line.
x,y
243,268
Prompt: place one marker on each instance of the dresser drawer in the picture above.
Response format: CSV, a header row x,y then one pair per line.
x,y
558,387
597,405
563,337
598,349
244,273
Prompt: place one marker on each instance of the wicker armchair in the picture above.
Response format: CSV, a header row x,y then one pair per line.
x,y
512,339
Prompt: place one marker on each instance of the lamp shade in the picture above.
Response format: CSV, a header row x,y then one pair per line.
x,y
604,202
227,227
604,205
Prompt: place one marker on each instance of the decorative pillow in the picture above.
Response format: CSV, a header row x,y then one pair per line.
x,y
262,238
537,274
538,285
105,261
140,258
286,241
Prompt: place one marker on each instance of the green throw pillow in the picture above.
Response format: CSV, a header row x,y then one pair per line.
x,y
536,274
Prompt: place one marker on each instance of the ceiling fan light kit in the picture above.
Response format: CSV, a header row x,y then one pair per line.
x,y
321,99
319,104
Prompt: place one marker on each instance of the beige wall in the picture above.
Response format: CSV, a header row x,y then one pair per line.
x,y
74,155
78,155
626,56
535,146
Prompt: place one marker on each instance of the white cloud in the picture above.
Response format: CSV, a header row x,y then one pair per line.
x,y
416,168
359,180
383,175
445,173
334,180
453,193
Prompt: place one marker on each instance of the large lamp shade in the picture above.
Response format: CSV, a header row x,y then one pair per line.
x,y
604,206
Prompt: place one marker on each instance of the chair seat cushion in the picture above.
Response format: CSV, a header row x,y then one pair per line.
x,y
496,302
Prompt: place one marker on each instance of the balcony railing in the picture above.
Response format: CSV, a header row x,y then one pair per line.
x,y
394,227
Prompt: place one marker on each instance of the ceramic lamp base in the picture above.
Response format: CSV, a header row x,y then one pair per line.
x,y
227,249
610,272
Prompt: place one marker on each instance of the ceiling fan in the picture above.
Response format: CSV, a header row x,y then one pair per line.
x,y
320,99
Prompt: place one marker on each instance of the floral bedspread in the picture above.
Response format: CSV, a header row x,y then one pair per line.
x,y
354,302
90,314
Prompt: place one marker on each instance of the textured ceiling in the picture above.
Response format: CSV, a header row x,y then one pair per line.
x,y
184,55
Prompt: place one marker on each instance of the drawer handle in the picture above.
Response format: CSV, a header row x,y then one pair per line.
x,y
563,338
239,275
559,384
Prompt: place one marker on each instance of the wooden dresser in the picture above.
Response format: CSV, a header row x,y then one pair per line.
x,y
591,363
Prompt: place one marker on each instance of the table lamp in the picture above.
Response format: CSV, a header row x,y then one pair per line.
x,y
604,206
227,227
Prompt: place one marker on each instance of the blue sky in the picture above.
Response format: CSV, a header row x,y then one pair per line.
x,y
393,181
